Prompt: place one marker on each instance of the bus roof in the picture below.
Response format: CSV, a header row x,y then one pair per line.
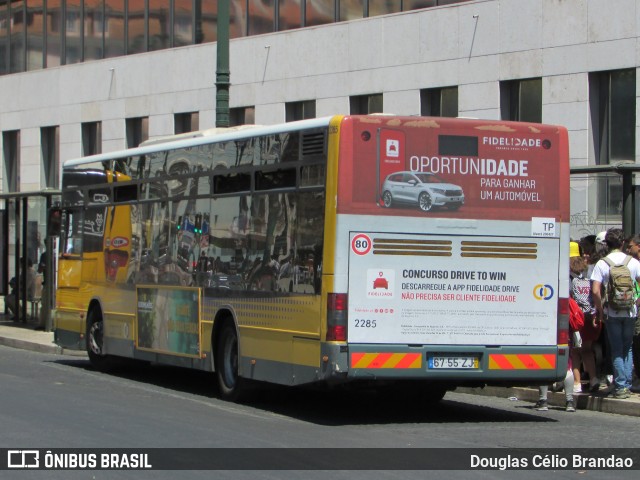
x,y
203,137
193,139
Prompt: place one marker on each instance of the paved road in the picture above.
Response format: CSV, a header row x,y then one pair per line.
x,y
54,401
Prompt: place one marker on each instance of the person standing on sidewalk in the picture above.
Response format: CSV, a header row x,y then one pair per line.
x,y
580,290
576,323
620,322
44,299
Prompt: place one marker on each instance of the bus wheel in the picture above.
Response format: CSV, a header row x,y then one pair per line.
x,y
95,341
229,383
387,199
424,202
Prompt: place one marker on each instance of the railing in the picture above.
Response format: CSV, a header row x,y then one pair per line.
x,y
603,196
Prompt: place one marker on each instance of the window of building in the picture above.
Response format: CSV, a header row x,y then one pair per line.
x,y
351,10
521,100
49,33
35,34
93,31
186,122
416,4
17,40
159,25
136,28
365,104
137,131
114,27
91,138
4,38
300,110
439,102
50,145
383,7
289,14
11,160
319,12
205,16
183,21
53,40
612,99
73,32
242,116
261,17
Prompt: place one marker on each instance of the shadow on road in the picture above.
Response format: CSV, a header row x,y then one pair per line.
x,y
329,407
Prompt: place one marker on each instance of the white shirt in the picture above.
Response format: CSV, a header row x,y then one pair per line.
x,y
601,274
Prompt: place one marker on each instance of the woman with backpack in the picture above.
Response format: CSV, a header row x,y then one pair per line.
x,y
616,273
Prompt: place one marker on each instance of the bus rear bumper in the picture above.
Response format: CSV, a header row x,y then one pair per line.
x,y
472,365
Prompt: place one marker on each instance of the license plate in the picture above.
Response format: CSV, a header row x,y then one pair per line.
x,y
453,362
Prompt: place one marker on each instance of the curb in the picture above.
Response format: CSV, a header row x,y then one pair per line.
x,y
594,403
39,347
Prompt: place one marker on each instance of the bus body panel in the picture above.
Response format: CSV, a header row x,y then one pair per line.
x,y
400,194
474,274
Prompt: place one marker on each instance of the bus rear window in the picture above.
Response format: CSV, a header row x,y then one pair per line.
x,y
462,145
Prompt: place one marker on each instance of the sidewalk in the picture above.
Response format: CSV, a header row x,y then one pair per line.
x,y
24,336
597,402
21,335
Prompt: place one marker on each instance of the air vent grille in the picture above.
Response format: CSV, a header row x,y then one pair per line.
x,y
427,248
499,250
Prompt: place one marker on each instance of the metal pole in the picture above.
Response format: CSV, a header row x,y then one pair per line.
x,y
47,297
16,261
628,204
222,66
23,262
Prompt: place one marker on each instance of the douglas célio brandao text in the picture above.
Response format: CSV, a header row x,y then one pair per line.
x,y
550,461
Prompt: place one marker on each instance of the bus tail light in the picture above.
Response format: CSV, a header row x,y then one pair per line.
x,y
337,304
563,321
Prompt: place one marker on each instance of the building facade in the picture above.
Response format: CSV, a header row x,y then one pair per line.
x,y
103,75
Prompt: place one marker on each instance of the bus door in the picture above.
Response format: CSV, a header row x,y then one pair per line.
x,y
118,231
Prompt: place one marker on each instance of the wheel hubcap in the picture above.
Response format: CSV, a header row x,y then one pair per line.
x,y
95,338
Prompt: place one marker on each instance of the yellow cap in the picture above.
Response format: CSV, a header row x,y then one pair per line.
x,y
574,250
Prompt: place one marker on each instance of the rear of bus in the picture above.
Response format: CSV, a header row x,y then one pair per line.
x,y
450,260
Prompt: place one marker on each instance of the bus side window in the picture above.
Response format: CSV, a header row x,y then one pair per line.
x,y
72,234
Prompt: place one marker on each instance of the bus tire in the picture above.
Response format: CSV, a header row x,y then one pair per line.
x,y
424,202
230,385
387,199
95,342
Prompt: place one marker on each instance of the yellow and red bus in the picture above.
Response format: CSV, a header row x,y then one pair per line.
x,y
432,252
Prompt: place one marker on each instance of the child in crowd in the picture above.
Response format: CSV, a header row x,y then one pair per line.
x,y
580,291
576,322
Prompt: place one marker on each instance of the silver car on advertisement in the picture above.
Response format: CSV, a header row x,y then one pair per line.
x,y
424,190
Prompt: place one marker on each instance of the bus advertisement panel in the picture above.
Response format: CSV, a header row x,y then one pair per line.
x,y
455,168
440,289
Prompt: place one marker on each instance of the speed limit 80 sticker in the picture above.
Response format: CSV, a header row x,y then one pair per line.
x,y
361,244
